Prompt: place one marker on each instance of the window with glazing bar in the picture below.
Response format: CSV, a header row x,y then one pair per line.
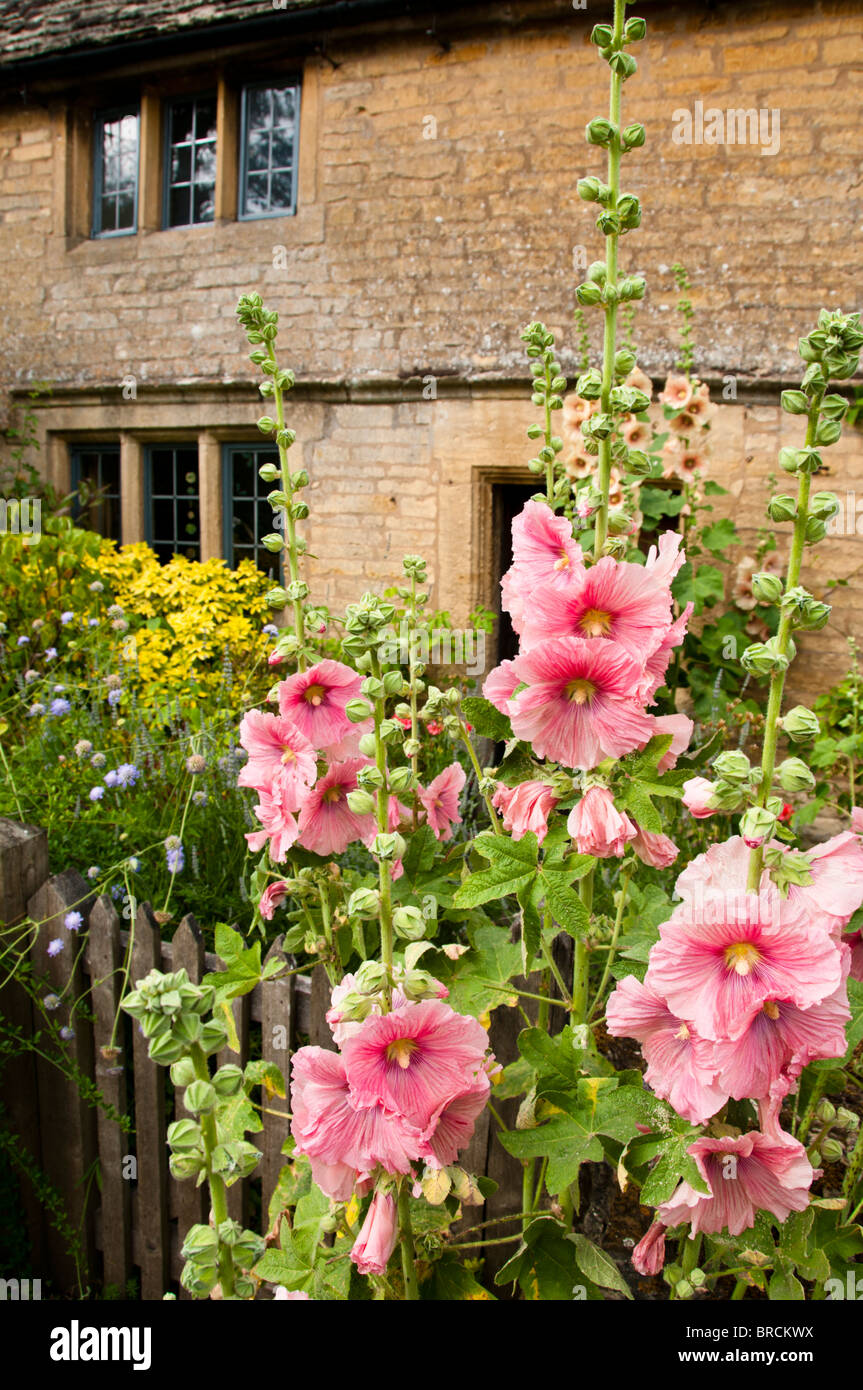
x,y
115,174
190,161
268,150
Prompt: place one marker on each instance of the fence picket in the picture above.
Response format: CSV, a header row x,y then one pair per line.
x,y
70,1164
105,956
152,1248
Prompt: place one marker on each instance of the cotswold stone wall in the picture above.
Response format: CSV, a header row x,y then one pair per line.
x,y
437,214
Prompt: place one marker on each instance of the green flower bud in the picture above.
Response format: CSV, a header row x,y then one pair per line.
x,y
794,776
394,683
757,660
589,189
411,747
782,508
587,294
683,1289
826,1111
213,1037
637,462
697,1278
831,1150
361,803
597,273
358,710
409,923
733,766
276,598
602,35
619,522
634,30
834,407
371,977
795,402
623,63
370,778
601,132
608,223
266,424
368,746
633,136
182,1074
632,286
757,825
823,505
228,1081
184,1135
846,1119
268,472
589,385
828,432
365,903
200,1097
165,1050
417,985
401,779
816,530
184,1166
789,459
389,847
629,211
624,362
273,542
801,724
767,587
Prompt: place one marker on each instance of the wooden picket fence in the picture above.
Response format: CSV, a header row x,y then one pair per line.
x,y
114,1183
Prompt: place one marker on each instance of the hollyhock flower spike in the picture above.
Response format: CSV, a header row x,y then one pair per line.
x,y
597,827
315,701
578,707
525,807
440,800
415,1060
377,1239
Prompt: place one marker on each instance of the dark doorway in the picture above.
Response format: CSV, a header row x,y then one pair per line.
x,y
508,500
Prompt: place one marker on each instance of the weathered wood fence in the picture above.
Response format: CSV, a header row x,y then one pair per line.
x,y
113,1181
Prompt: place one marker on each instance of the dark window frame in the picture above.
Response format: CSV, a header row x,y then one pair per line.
x,y
75,454
294,83
102,118
169,106
149,497
262,489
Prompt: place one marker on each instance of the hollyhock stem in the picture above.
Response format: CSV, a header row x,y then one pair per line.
x,y
492,813
218,1191
625,876
412,623
580,960
547,953
783,637
610,335
290,525
406,1240
382,800
855,1168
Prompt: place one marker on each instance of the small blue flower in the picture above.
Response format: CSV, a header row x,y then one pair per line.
x,y
22,641
94,870
270,629
98,760
92,622
59,707
35,710
59,689
55,946
66,618
96,793
116,891
67,1034
133,864
96,587
127,775
200,798
73,921
50,653
174,858
51,1002
114,697
112,779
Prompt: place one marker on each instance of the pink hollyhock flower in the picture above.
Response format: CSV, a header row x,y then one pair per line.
x,y
677,391
415,1060
578,707
280,827
377,1240
525,807
315,701
272,896
718,961
350,1140
780,1041
327,823
280,756
281,1294
654,848
836,890
665,559
597,827
754,1172
657,663
613,600
680,1064
499,685
648,1257
680,726
855,941
440,799
543,548
697,796
455,1125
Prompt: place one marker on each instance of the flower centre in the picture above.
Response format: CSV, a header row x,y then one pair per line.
x,y
742,957
771,1008
333,794
595,623
314,695
401,1051
580,691
289,756
563,562
682,1032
